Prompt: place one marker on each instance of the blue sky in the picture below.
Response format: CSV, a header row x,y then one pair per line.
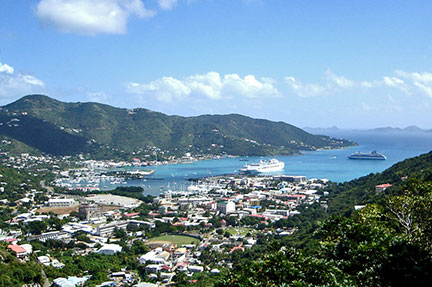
x,y
353,64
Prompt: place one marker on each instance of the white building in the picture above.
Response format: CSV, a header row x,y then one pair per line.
x,y
110,249
226,207
157,256
61,202
195,268
108,229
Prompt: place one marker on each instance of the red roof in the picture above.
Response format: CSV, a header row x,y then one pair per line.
x,y
11,239
16,248
385,185
257,215
236,248
131,214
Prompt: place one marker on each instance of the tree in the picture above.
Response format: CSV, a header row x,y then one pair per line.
x,y
120,233
36,227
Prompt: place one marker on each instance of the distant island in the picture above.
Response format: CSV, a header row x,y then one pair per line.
x,y
407,129
38,123
413,128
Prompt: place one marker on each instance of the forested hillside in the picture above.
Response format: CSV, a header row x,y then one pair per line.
x,y
62,128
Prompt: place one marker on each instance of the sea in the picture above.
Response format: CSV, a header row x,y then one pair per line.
x,y
329,164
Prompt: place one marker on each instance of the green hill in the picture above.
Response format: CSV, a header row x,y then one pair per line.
x,y
386,243
60,128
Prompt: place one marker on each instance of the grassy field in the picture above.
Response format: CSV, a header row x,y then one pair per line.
x,y
240,231
176,239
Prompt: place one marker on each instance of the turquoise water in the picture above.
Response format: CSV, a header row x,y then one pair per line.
x,y
330,164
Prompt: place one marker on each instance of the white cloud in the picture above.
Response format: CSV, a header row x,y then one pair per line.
x,y
393,82
339,81
305,90
421,82
367,84
13,86
6,68
416,77
31,80
407,83
90,17
166,89
209,86
99,97
330,84
427,89
167,4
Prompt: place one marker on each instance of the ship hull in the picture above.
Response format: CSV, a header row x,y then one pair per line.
x,y
366,158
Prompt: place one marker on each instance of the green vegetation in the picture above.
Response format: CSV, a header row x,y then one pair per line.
x,y
15,273
97,265
175,239
386,243
240,231
14,147
60,128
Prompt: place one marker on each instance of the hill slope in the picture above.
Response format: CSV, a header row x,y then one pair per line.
x,y
62,128
386,243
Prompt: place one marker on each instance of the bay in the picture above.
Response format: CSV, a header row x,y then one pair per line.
x,y
330,164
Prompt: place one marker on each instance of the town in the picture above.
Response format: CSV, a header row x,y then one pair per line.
x,y
179,235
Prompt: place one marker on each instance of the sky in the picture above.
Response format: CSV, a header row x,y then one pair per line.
x,y
314,63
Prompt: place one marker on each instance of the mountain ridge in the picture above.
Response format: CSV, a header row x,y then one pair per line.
x,y
103,129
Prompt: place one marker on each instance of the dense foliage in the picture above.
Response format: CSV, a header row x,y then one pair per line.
x,y
15,273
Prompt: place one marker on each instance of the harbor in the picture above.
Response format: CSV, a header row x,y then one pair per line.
x,y
330,164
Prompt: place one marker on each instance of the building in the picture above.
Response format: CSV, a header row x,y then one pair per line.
x,y
108,229
18,250
71,281
110,249
61,202
195,268
293,178
89,211
382,187
226,207
53,235
156,256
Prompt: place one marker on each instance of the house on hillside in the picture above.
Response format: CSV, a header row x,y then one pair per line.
x,y
382,187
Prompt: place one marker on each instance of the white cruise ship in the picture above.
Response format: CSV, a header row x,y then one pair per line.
x,y
263,166
371,156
